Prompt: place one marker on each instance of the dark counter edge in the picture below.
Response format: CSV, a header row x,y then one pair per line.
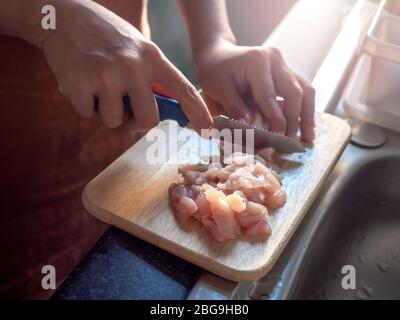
x,y
121,266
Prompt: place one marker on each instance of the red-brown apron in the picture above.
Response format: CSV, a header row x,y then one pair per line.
x,y
48,154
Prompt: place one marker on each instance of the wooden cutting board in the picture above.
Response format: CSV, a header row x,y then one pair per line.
x,y
132,195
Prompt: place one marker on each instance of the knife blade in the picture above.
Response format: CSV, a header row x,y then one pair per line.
x,y
262,137
169,109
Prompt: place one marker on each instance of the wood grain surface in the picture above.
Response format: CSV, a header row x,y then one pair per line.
x,y
132,194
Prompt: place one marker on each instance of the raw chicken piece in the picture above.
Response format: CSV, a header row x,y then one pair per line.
x,y
236,202
203,207
266,154
261,227
277,200
253,213
222,214
183,198
229,199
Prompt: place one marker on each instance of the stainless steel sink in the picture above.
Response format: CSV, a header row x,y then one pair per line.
x,y
361,228
356,222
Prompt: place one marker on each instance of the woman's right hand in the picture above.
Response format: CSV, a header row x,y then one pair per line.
x,y
93,53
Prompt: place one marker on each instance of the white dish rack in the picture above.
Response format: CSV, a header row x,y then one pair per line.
x,y
373,92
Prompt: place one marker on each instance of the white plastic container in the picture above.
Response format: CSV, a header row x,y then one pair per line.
x,y
373,92
392,7
383,37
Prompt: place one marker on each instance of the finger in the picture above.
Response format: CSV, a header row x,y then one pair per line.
x,y
185,93
233,103
264,93
144,107
307,122
213,105
289,88
131,124
83,104
110,108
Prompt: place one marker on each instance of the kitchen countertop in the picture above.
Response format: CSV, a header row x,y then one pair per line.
x,y
121,266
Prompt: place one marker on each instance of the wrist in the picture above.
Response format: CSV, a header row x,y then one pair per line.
x,y
201,50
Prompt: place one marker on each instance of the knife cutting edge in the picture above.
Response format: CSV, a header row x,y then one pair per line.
x,y
169,109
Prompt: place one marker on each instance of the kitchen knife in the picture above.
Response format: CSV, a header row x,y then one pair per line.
x,y
170,109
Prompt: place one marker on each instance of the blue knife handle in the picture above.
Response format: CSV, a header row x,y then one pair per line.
x,y
169,109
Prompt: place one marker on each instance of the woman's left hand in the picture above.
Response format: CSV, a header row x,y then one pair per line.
x,y
241,78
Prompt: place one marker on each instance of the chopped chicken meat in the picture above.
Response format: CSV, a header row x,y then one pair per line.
x,y
229,199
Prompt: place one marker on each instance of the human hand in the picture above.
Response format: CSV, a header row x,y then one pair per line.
x,y
93,53
247,80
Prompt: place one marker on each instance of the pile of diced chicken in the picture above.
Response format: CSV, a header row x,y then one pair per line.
x,y
229,199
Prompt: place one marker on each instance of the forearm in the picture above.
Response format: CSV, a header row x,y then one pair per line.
x,y
133,11
207,23
22,19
